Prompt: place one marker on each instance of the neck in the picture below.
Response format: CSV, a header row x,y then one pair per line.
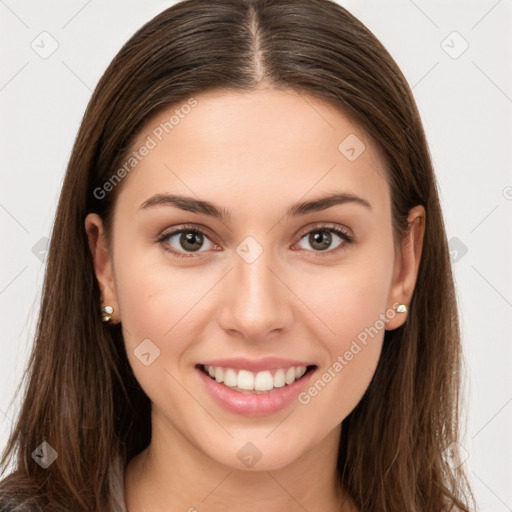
x,y
172,474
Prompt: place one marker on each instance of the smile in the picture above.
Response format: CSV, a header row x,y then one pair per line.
x,y
254,388
245,381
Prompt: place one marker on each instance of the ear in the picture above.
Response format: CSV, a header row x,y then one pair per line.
x,y
407,262
102,262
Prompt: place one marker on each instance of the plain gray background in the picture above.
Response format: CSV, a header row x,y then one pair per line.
x,y
456,56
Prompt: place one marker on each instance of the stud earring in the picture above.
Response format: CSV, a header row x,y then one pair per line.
x,y
107,313
401,308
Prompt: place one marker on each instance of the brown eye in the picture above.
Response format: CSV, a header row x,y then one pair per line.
x,y
321,239
183,241
190,240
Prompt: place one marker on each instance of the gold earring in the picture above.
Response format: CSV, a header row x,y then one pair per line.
x,y
107,313
401,308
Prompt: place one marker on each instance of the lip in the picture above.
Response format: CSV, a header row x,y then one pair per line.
x,y
255,365
254,404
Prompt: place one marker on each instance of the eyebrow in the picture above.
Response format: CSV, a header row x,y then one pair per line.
x,y
193,205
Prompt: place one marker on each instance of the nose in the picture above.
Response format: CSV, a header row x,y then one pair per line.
x,y
256,303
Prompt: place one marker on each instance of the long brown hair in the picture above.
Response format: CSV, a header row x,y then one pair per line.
x,y
81,395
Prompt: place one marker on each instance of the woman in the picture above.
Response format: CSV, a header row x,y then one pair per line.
x,y
248,301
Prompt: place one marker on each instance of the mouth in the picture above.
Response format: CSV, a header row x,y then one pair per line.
x,y
254,387
257,383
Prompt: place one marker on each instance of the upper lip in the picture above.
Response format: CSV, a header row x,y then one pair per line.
x,y
254,365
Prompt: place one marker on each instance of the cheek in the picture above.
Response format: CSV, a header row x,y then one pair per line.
x,y
145,299
348,299
168,305
157,306
352,305
353,355
151,297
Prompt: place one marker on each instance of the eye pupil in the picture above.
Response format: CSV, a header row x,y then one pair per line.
x,y
323,238
188,238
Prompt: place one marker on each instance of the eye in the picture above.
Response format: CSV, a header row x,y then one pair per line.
x,y
185,239
321,238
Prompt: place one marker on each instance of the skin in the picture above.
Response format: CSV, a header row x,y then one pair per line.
x,y
253,154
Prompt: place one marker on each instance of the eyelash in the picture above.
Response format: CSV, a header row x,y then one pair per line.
x,y
345,236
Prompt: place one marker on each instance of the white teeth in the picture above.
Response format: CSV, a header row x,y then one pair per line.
x,y
259,381
300,371
263,381
245,380
279,381
290,376
230,378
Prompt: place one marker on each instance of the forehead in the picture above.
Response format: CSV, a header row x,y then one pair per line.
x,y
259,145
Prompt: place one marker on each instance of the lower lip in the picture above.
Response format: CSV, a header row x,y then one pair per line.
x,y
254,404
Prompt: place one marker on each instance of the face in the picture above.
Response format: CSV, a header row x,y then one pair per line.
x,y
254,288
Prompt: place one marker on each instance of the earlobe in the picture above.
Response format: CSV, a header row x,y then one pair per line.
x,y
407,266
102,262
